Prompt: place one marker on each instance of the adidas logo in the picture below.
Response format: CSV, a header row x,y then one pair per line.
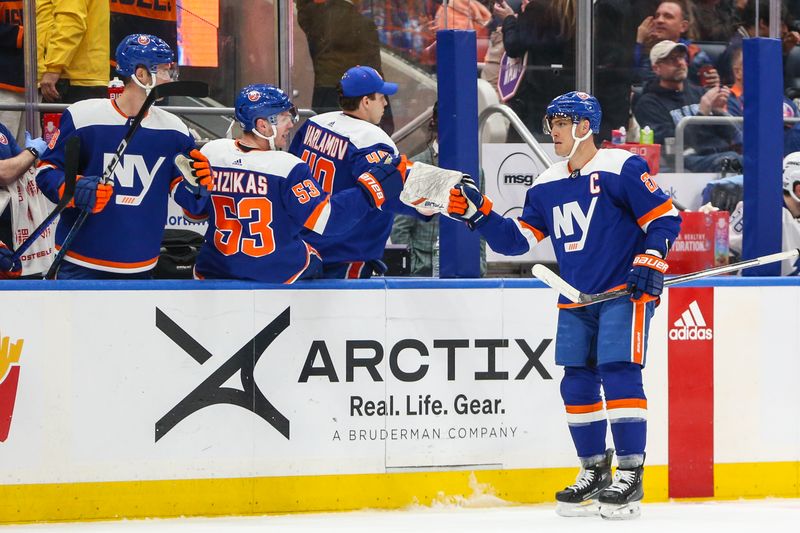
x,y
691,326
237,162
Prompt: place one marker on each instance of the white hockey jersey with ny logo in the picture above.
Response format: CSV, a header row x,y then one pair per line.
x,y
598,219
126,236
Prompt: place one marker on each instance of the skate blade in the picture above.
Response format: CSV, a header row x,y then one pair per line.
x,y
627,511
587,508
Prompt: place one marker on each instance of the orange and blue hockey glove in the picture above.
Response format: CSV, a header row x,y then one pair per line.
x,y
382,182
646,277
467,203
196,172
91,194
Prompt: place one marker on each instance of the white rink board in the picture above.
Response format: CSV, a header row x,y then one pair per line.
x,y
96,375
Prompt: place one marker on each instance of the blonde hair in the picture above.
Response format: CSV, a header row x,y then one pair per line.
x,y
568,12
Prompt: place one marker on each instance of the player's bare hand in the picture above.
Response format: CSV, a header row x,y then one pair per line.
x,y
48,87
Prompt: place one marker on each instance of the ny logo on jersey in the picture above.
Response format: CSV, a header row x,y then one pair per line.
x,y
563,217
129,167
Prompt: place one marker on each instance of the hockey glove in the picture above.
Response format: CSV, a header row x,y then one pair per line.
x,y
382,182
467,203
646,277
37,145
9,268
91,194
196,172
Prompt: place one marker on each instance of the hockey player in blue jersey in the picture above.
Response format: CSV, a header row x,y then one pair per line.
x,y
263,198
340,146
122,236
611,226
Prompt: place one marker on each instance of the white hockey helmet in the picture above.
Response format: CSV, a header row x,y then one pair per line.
x,y
791,174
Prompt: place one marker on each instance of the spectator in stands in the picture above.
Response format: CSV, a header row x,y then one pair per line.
x,y
22,206
714,20
73,43
338,37
464,15
671,22
491,63
545,31
670,97
791,132
12,82
748,28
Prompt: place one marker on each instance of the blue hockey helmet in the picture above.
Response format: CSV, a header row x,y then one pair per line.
x,y
148,51
576,106
261,100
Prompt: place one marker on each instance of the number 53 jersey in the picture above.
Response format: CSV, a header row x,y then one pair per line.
x,y
260,203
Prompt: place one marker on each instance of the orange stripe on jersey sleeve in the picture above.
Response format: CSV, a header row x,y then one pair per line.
x,y
311,221
581,409
536,233
627,403
20,34
174,183
653,214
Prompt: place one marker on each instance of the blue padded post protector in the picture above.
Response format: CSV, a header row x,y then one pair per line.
x,y
457,72
763,145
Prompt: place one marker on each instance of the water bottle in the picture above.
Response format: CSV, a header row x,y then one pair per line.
x,y
646,136
115,88
435,260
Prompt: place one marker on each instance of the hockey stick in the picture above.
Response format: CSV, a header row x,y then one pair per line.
x,y
72,156
196,89
575,296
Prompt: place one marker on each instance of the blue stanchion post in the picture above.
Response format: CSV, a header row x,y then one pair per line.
x,y
457,72
763,152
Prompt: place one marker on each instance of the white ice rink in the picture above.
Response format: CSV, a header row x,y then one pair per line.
x,y
762,516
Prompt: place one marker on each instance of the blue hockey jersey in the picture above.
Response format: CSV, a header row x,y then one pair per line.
x,y
260,204
598,219
126,236
339,148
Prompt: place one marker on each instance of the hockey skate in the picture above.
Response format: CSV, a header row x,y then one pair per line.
x,y
580,498
621,501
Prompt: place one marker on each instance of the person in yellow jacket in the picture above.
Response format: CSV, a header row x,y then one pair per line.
x,y
73,49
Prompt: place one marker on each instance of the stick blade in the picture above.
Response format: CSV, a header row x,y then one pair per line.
x,y
197,89
554,281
